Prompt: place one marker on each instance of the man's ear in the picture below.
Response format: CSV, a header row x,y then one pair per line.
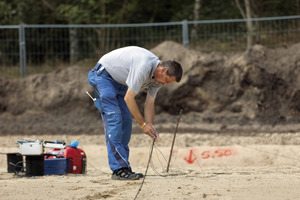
x,y
164,69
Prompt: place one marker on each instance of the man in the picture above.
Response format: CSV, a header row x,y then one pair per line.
x,y
117,78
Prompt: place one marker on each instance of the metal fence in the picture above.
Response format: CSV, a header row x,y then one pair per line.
x,y
26,49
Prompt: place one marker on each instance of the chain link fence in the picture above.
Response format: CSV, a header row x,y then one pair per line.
x,y
27,49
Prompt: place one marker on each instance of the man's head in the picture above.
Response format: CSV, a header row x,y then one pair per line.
x,y
168,72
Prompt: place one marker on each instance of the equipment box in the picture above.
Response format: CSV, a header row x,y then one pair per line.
x,y
14,163
55,166
31,148
77,159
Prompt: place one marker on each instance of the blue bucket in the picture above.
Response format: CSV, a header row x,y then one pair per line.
x,y
55,166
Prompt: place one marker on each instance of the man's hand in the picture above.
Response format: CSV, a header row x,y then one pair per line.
x,y
149,113
150,130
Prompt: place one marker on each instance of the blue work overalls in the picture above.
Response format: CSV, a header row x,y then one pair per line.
x,y
115,114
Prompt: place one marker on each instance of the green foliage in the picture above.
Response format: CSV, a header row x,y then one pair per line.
x,y
79,12
219,9
276,8
9,12
132,11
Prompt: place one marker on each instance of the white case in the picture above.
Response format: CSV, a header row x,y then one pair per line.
x,y
31,148
54,146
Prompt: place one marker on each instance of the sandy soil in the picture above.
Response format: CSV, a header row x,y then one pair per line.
x,y
239,135
209,166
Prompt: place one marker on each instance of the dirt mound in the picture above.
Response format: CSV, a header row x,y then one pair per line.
x,y
259,86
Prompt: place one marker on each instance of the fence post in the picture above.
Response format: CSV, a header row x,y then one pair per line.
x,y
22,50
185,33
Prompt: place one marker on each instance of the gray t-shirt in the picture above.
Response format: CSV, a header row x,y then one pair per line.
x,y
134,67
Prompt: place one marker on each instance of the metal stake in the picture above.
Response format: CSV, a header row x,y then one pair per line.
x,y
173,140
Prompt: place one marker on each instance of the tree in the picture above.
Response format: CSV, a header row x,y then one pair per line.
x,y
246,13
197,8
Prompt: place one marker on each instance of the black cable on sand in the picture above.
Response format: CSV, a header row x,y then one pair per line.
x,y
145,171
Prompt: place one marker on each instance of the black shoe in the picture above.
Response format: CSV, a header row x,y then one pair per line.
x,y
139,174
124,174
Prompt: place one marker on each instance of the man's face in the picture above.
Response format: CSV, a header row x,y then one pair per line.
x,y
164,79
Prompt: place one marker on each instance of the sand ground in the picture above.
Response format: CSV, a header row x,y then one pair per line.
x,y
204,166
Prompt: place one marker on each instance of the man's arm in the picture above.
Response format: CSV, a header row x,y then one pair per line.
x,y
133,108
149,110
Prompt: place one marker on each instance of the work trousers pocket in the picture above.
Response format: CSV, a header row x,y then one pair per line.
x,y
98,104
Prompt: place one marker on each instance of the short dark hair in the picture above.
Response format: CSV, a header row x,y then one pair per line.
x,y
174,69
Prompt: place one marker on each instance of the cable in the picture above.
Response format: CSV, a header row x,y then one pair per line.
x,y
97,169
22,168
274,154
227,139
152,165
146,170
154,169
